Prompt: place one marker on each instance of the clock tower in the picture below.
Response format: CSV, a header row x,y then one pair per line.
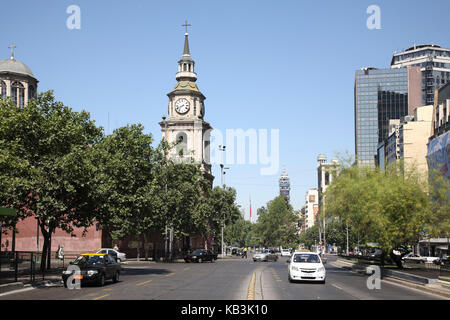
x,y
185,124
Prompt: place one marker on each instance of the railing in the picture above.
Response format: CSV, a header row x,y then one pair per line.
x,y
25,266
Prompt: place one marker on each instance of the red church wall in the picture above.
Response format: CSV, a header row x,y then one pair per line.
x,y
26,238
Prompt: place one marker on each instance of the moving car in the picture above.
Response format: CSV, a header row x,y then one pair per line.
x,y
265,255
119,256
94,268
285,252
306,266
200,255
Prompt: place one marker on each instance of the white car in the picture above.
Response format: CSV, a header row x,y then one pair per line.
x,y
306,266
285,252
120,257
414,257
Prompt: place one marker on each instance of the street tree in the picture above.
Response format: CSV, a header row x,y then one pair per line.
x,y
53,177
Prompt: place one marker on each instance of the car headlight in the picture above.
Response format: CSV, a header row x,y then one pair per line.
x,y
321,269
294,268
194,256
67,272
92,272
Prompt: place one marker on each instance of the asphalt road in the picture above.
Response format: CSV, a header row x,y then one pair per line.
x,y
223,280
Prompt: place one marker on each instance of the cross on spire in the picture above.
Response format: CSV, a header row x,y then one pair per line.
x,y
186,25
12,51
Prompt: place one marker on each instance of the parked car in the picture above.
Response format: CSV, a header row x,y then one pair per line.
x,y
306,266
119,256
411,257
94,268
200,255
285,252
234,251
265,255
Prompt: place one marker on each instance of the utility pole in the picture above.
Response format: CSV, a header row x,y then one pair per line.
x,y
222,176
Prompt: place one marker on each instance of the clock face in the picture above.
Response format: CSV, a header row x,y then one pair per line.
x,y
182,105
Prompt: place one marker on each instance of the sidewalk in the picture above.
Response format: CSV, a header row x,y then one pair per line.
x,y
430,285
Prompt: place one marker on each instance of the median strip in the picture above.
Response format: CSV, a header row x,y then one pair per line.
x,y
101,297
251,288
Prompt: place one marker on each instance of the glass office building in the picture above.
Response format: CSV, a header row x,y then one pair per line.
x,y
434,63
381,95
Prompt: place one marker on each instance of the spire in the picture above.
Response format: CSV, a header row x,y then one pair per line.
x,y
186,45
186,63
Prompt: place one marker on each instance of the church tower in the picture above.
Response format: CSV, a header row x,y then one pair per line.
x,y
185,124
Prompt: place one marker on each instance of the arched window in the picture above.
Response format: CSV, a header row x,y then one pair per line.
x,y
18,94
181,140
2,89
31,92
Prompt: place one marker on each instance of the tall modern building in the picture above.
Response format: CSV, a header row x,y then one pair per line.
x,y
382,95
434,63
285,184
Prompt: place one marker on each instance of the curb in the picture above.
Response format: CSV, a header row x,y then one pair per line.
x,y
393,279
11,287
421,287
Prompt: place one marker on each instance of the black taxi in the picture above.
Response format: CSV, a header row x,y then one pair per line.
x,y
92,268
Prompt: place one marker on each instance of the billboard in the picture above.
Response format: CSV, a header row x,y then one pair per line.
x,y
438,154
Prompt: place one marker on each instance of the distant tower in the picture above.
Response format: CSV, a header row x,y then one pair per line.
x,y
285,184
17,81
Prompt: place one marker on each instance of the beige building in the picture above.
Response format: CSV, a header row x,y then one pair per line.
x,y
185,125
17,81
311,207
408,139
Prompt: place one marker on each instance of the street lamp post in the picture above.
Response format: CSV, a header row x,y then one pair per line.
x,y
222,176
166,244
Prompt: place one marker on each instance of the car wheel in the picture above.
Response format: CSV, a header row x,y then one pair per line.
x,y
323,281
116,277
200,260
289,278
101,281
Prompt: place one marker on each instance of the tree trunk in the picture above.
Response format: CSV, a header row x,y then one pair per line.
x,y
397,259
44,247
138,248
146,246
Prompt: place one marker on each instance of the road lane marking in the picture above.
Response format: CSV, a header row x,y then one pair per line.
x,y
251,288
101,297
186,268
336,286
107,289
142,283
170,274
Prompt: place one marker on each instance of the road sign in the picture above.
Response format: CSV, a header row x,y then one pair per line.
x,y
7,212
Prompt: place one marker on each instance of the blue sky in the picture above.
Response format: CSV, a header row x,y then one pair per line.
x,y
286,65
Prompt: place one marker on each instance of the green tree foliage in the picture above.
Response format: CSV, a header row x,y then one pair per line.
x,y
239,233
276,225
44,149
390,208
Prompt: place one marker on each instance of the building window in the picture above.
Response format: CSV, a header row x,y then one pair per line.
x,y
31,92
2,89
181,140
18,94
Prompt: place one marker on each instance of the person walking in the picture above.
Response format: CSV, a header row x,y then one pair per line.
x,y
244,254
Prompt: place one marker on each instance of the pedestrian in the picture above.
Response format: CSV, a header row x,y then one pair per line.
x,y
244,254
116,247
61,252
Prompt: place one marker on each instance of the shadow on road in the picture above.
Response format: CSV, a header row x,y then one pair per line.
x,y
143,271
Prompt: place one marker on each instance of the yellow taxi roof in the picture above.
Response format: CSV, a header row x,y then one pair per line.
x,y
93,254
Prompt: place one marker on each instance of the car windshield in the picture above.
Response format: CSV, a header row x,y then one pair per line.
x,y
89,260
308,258
197,252
265,251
